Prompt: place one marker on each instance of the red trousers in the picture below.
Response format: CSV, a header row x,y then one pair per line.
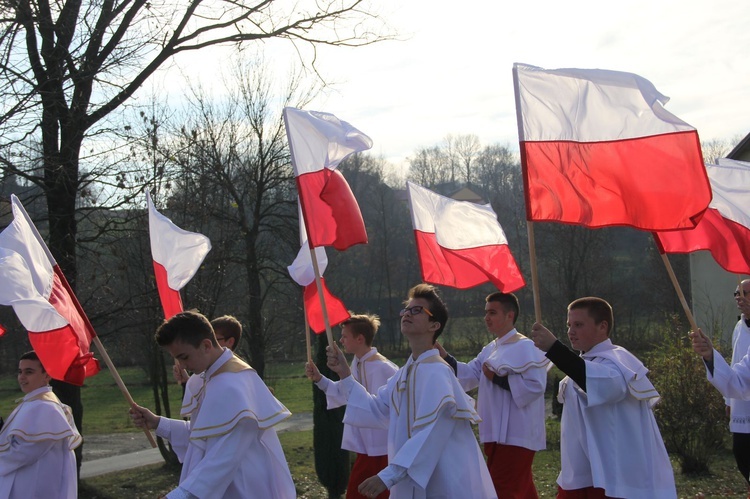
x,y
585,493
364,467
510,469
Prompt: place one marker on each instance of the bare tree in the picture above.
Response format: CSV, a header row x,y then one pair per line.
x,y
467,148
67,65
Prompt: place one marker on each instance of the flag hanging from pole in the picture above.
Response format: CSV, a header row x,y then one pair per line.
x,y
36,288
598,149
301,270
725,228
461,244
177,256
318,142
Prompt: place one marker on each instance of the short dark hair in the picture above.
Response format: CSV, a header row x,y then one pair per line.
x,y
188,327
508,301
363,325
31,355
437,307
228,327
598,309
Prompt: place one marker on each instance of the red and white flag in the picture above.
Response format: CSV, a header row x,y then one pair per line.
x,y
598,149
303,273
725,228
318,142
177,256
34,285
461,244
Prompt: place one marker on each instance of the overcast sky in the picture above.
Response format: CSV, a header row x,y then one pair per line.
x,y
452,73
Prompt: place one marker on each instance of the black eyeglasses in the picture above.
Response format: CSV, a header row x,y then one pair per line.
x,y
415,310
737,294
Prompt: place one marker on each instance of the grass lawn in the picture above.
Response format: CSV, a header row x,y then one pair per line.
x,y
149,481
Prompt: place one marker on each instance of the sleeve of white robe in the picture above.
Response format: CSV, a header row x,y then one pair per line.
x,y
213,474
469,373
23,453
177,432
335,396
420,454
528,386
732,382
605,383
365,410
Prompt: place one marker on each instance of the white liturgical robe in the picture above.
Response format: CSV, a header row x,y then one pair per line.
x,y
514,417
432,450
608,434
739,421
371,371
36,449
229,448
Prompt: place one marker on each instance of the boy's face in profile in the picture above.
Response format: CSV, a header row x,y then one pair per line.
x,y
191,358
31,375
347,339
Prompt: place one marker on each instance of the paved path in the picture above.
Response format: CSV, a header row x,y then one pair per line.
x,y
132,450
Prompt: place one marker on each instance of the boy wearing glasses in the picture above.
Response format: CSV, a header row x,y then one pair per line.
x,y
229,448
432,451
37,440
511,375
371,370
734,382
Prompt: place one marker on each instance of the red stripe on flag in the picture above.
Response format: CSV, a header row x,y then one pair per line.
x,y
728,241
466,268
171,301
650,183
337,312
64,352
331,212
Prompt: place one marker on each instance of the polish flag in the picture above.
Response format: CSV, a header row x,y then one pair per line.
x,y
177,256
34,285
318,142
598,149
725,228
461,244
301,270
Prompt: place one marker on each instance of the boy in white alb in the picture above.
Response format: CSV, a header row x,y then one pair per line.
x,y
371,370
610,444
432,451
37,441
229,448
512,377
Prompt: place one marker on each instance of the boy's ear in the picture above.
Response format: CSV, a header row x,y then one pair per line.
x,y
434,325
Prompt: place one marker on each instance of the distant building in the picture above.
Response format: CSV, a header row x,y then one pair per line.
x,y
712,286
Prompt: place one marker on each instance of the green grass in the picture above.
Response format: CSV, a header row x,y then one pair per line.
x,y
148,481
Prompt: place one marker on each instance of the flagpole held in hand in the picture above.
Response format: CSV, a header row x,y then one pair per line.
x,y
113,370
318,283
534,272
680,294
307,334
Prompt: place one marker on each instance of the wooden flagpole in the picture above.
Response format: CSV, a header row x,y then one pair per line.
x,y
680,294
307,333
113,370
319,284
534,272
